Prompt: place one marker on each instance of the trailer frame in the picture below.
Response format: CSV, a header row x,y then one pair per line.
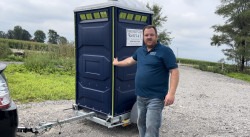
x,y
110,122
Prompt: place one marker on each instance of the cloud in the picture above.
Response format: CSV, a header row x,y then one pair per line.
x,y
39,14
189,21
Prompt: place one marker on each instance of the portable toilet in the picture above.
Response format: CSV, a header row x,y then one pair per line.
x,y
105,29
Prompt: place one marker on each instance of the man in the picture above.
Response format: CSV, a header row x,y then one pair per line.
x,y
154,64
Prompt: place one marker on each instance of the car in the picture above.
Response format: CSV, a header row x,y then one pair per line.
x,y
8,109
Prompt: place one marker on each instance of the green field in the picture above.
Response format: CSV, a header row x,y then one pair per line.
x,y
244,77
32,87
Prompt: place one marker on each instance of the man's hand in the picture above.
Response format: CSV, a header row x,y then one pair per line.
x,y
124,63
169,99
115,62
174,80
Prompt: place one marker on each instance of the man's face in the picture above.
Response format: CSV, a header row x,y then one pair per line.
x,y
150,37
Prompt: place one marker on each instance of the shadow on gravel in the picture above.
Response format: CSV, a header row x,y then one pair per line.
x,y
120,131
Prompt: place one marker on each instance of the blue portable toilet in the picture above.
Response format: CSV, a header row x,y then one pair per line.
x,y
105,29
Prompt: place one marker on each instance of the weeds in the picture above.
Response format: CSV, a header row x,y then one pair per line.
x,y
26,86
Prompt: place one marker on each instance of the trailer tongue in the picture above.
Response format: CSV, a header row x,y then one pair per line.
x,y
110,122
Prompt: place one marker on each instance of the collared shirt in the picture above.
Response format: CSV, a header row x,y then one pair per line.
x,y
152,75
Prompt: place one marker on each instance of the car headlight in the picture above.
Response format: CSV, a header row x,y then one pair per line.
x,y
4,95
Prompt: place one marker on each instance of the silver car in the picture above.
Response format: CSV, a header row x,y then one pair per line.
x,y
8,109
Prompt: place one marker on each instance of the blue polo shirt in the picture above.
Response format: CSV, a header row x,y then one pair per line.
x,y
152,75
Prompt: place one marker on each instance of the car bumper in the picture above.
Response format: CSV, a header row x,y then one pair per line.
x,y
9,121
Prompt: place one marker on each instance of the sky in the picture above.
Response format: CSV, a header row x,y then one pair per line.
x,y
189,22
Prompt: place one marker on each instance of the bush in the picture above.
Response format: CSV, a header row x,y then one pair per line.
x,y
218,70
203,67
49,63
38,62
14,58
4,51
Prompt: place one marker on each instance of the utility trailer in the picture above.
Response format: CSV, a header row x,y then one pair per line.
x,y
105,29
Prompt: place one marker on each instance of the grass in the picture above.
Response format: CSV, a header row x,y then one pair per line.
x,y
228,69
32,87
240,76
48,71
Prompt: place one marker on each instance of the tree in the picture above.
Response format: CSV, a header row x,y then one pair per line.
x,y
158,21
53,37
2,34
39,36
21,34
25,35
62,40
235,32
10,34
18,32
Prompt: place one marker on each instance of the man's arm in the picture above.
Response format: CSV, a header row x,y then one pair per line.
x,y
124,63
174,80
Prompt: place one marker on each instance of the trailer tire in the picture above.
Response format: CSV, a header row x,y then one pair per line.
x,y
134,114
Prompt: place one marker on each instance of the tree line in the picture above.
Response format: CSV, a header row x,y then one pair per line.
x,y
19,33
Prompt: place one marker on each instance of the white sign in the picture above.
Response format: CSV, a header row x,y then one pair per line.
x,y
134,37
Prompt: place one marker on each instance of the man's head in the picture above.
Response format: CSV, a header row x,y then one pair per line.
x,y
150,36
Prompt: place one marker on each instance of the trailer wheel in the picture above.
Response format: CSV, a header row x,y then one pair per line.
x,y
134,114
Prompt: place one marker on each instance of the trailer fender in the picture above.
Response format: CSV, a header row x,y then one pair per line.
x,y
134,114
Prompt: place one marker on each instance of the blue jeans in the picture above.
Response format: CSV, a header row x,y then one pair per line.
x,y
149,116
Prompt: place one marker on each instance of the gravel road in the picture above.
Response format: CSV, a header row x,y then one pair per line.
x,y
206,105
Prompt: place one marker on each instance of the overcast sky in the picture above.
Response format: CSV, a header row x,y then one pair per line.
x,y
189,22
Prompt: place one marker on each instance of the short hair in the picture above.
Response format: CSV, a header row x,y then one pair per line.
x,y
150,27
